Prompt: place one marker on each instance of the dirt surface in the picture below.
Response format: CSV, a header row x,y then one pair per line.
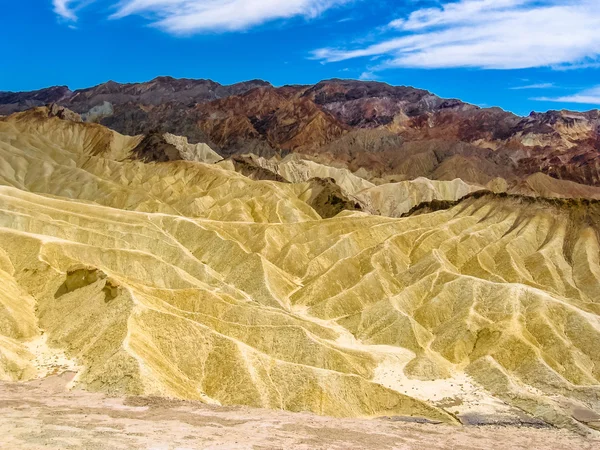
x,y
44,415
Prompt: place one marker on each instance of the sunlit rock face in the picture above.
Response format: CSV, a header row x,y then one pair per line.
x,y
391,199
191,280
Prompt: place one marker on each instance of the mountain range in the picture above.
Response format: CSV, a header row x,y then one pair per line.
x,y
390,133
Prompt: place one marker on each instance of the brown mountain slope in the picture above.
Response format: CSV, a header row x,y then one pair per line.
x,y
387,130
159,90
540,185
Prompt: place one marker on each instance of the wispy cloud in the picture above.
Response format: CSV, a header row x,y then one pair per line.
x,y
190,16
488,34
534,86
62,8
196,16
588,96
368,76
67,9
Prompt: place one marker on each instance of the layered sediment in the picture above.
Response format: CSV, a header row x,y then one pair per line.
x,y
190,280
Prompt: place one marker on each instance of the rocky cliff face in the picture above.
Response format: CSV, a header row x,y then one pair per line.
x,y
11,102
387,131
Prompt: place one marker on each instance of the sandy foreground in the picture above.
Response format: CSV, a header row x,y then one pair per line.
x,y
44,415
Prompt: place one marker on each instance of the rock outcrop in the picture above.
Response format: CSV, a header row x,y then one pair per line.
x,y
348,191
161,147
396,199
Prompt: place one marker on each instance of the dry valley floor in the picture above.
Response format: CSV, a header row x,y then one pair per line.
x,y
43,415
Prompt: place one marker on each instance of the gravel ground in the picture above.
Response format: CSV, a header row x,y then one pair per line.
x,y
44,415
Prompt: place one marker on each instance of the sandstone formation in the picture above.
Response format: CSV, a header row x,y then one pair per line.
x,y
295,169
352,191
157,147
190,280
326,197
396,199
92,163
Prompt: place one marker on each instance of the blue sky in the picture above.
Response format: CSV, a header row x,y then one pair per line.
x,y
521,55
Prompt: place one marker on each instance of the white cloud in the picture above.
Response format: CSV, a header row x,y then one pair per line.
x,y
368,76
193,16
61,7
534,86
189,16
489,34
67,9
588,96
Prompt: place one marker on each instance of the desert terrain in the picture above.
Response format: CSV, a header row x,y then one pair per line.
x,y
155,292
44,415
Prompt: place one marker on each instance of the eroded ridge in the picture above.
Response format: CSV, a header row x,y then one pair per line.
x,y
187,280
